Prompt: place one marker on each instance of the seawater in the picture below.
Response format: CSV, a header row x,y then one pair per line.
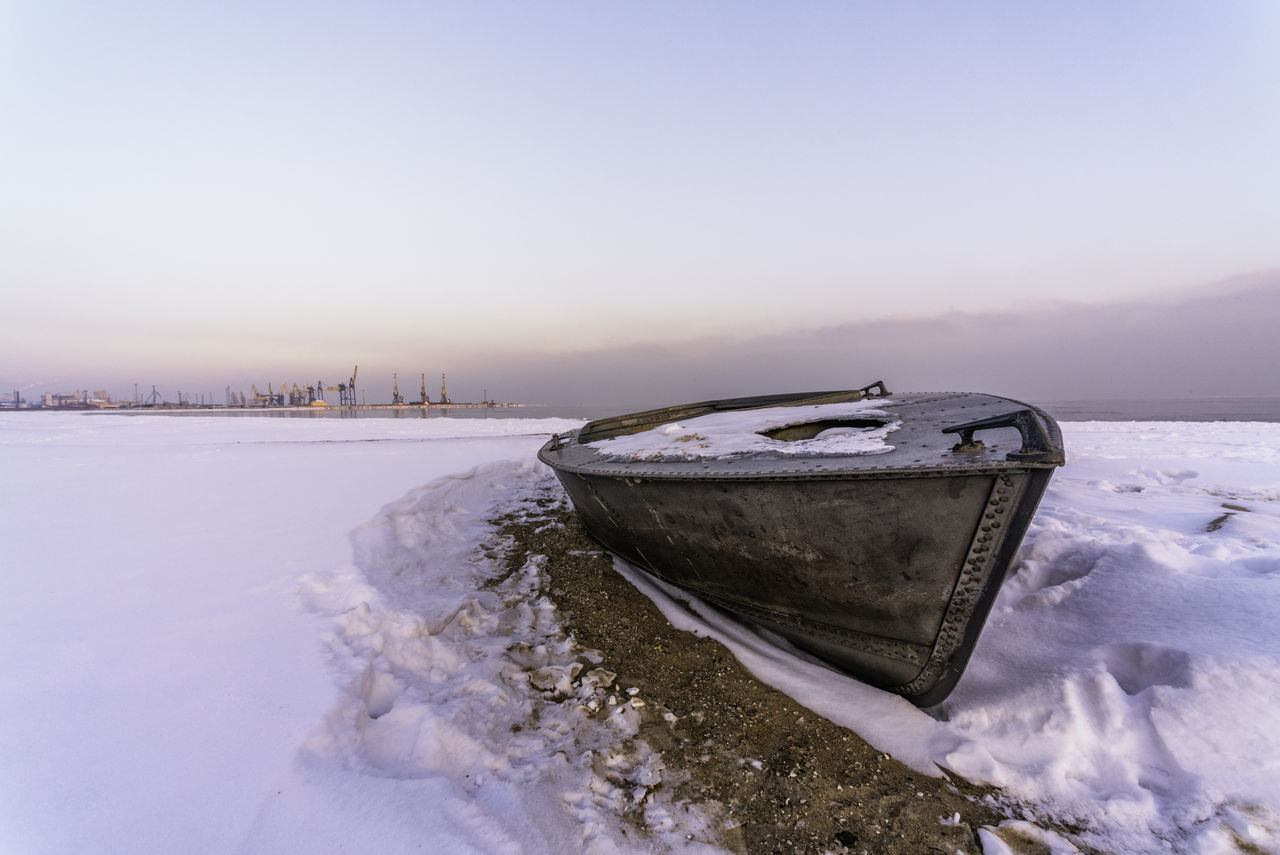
x,y
1165,410
1260,409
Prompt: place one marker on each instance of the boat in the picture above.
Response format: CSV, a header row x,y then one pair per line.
x,y
871,530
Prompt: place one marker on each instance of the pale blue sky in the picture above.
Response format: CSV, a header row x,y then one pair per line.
x,y
263,191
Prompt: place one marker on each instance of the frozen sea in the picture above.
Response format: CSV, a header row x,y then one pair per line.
x,y
269,635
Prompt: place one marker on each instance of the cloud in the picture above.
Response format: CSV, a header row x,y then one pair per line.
x,y
1217,341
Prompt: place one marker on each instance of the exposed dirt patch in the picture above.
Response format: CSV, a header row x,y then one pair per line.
x,y
780,778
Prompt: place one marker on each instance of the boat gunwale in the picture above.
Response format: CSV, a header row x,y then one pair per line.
x,y
833,474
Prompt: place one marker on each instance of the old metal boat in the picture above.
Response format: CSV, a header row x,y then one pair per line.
x,y
852,523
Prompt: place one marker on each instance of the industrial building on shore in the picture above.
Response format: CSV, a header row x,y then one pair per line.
x,y
285,396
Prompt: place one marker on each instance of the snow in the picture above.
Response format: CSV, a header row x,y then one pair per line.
x,y
740,432
1129,676
262,635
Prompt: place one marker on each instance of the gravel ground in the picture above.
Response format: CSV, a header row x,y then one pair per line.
x,y
776,776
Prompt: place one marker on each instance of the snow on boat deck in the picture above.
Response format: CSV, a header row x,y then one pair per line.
x,y
739,433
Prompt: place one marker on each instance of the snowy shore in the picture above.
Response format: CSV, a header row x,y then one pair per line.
x,y
235,634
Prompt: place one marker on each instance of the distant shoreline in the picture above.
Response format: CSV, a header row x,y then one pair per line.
x,y
1236,409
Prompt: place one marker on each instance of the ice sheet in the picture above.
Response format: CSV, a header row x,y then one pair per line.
x,y
228,635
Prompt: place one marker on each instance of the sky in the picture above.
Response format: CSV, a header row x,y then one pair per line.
x,y
202,195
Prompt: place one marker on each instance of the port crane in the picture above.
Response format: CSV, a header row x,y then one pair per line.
x,y
301,396
422,395
346,391
395,391
271,399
